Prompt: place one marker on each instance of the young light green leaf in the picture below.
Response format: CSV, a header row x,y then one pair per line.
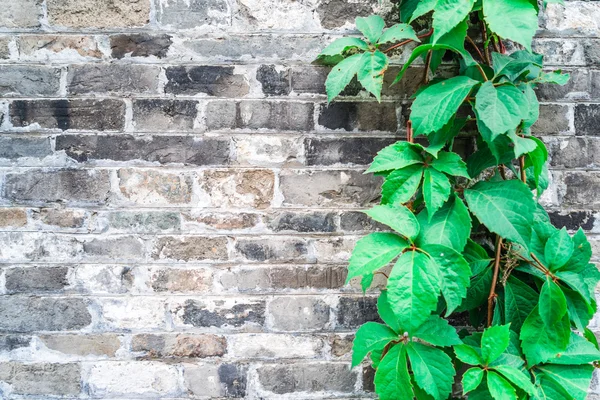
x,y
519,300
517,377
558,250
369,337
451,164
448,14
512,19
439,139
542,342
574,379
397,33
371,27
556,77
505,208
400,186
533,112
386,313
582,252
392,381
436,105
537,159
422,8
500,388
591,337
471,379
437,331
436,190
370,72
397,217
553,304
342,45
450,226
494,341
578,352
500,109
396,156
413,289
468,354
432,368
522,145
373,252
341,75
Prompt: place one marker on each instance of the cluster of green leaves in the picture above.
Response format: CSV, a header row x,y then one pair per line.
x,y
467,234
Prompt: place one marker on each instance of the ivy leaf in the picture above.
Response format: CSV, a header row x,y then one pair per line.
x,y
501,108
574,379
455,273
533,112
422,8
370,336
386,313
437,104
399,218
448,14
553,304
341,75
413,288
451,164
439,139
555,77
558,250
582,252
512,19
542,342
433,370
477,257
522,145
438,332
537,159
370,72
371,27
505,208
547,389
396,156
436,190
517,377
578,352
450,226
500,388
397,33
342,45
373,252
580,311
400,186
392,381
519,300
468,354
471,379
478,291
494,341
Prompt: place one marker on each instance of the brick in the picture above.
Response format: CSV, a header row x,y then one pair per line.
x,y
295,222
192,248
160,115
18,247
281,250
61,218
18,314
273,82
43,379
294,16
581,190
31,81
336,249
560,51
309,79
368,378
307,377
182,14
337,13
52,47
299,314
573,220
20,147
341,345
221,115
21,14
80,114
112,79
145,187
181,280
268,150
365,116
574,152
352,312
359,151
9,343
280,278
131,313
99,13
261,345
356,221
161,149
83,345
69,186
216,380
13,217
575,18
143,379
97,279
144,221
286,116
179,345
36,279
554,119
114,248
221,221
595,82
587,119
577,88
210,80
230,313
328,188
4,48
237,188
140,45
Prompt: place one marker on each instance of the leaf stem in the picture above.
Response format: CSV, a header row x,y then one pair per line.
x,y
485,43
493,295
427,64
472,42
522,167
409,132
408,41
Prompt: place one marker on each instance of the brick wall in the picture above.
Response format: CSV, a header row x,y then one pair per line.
x,y
178,203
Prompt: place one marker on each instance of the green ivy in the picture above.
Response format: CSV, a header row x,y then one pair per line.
x,y
468,235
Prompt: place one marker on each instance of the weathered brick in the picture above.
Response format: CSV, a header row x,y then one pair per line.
x,y
83,345
98,13
22,80
104,279
573,220
43,379
560,51
577,88
260,345
273,82
108,248
252,15
308,79
210,80
112,79
343,151
355,311
125,313
237,188
368,379
574,152
341,345
328,188
366,116
183,14
64,185
181,280
179,345
30,314
139,45
581,189
36,279
9,343
307,377
296,222
52,47
161,149
13,147
144,221
21,14
160,115
80,114
575,18
587,119
595,89
337,13
4,47
57,217
12,217
268,150
281,250
299,313
288,116
221,313
356,221
221,221
334,249
154,187
216,380
553,119
17,247
221,115
191,248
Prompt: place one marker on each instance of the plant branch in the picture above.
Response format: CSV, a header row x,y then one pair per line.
x,y
408,41
409,132
522,167
427,64
493,295
484,36
472,42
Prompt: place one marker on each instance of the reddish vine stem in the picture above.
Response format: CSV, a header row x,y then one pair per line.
x,y
409,132
472,42
493,295
408,41
427,64
484,36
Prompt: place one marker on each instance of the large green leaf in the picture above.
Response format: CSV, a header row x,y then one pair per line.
x,y
553,304
370,72
373,252
505,208
519,300
413,288
500,109
558,250
582,252
537,159
341,45
468,354
341,75
455,273
436,190
392,381
471,379
399,218
438,103
438,332
517,377
580,311
450,226
439,139
371,27
432,368
448,14
547,389
422,7
396,156
574,379
494,341
369,337
397,33
478,291
451,164
500,388
578,352
541,342
512,19
400,186
533,112
386,313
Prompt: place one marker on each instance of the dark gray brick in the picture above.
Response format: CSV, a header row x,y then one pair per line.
x,y
578,87
352,312
582,190
211,80
554,119
591,52
23,80
13,342
336,13
13,147
113,78
233,379
304,377
587,119
273,82
158,115
356,221
274,115
343,151
302,222
309,79
140,45
186,14
573,220
195,313
365,116
30,314
272,250
574,152
36,279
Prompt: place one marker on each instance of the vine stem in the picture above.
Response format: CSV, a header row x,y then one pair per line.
x,y
408,41
472,42
409,132
522,167
492,296
427,64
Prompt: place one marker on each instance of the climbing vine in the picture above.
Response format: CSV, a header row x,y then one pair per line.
x,y
467,235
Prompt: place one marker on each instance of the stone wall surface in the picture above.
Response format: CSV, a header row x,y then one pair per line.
x,y
178,202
